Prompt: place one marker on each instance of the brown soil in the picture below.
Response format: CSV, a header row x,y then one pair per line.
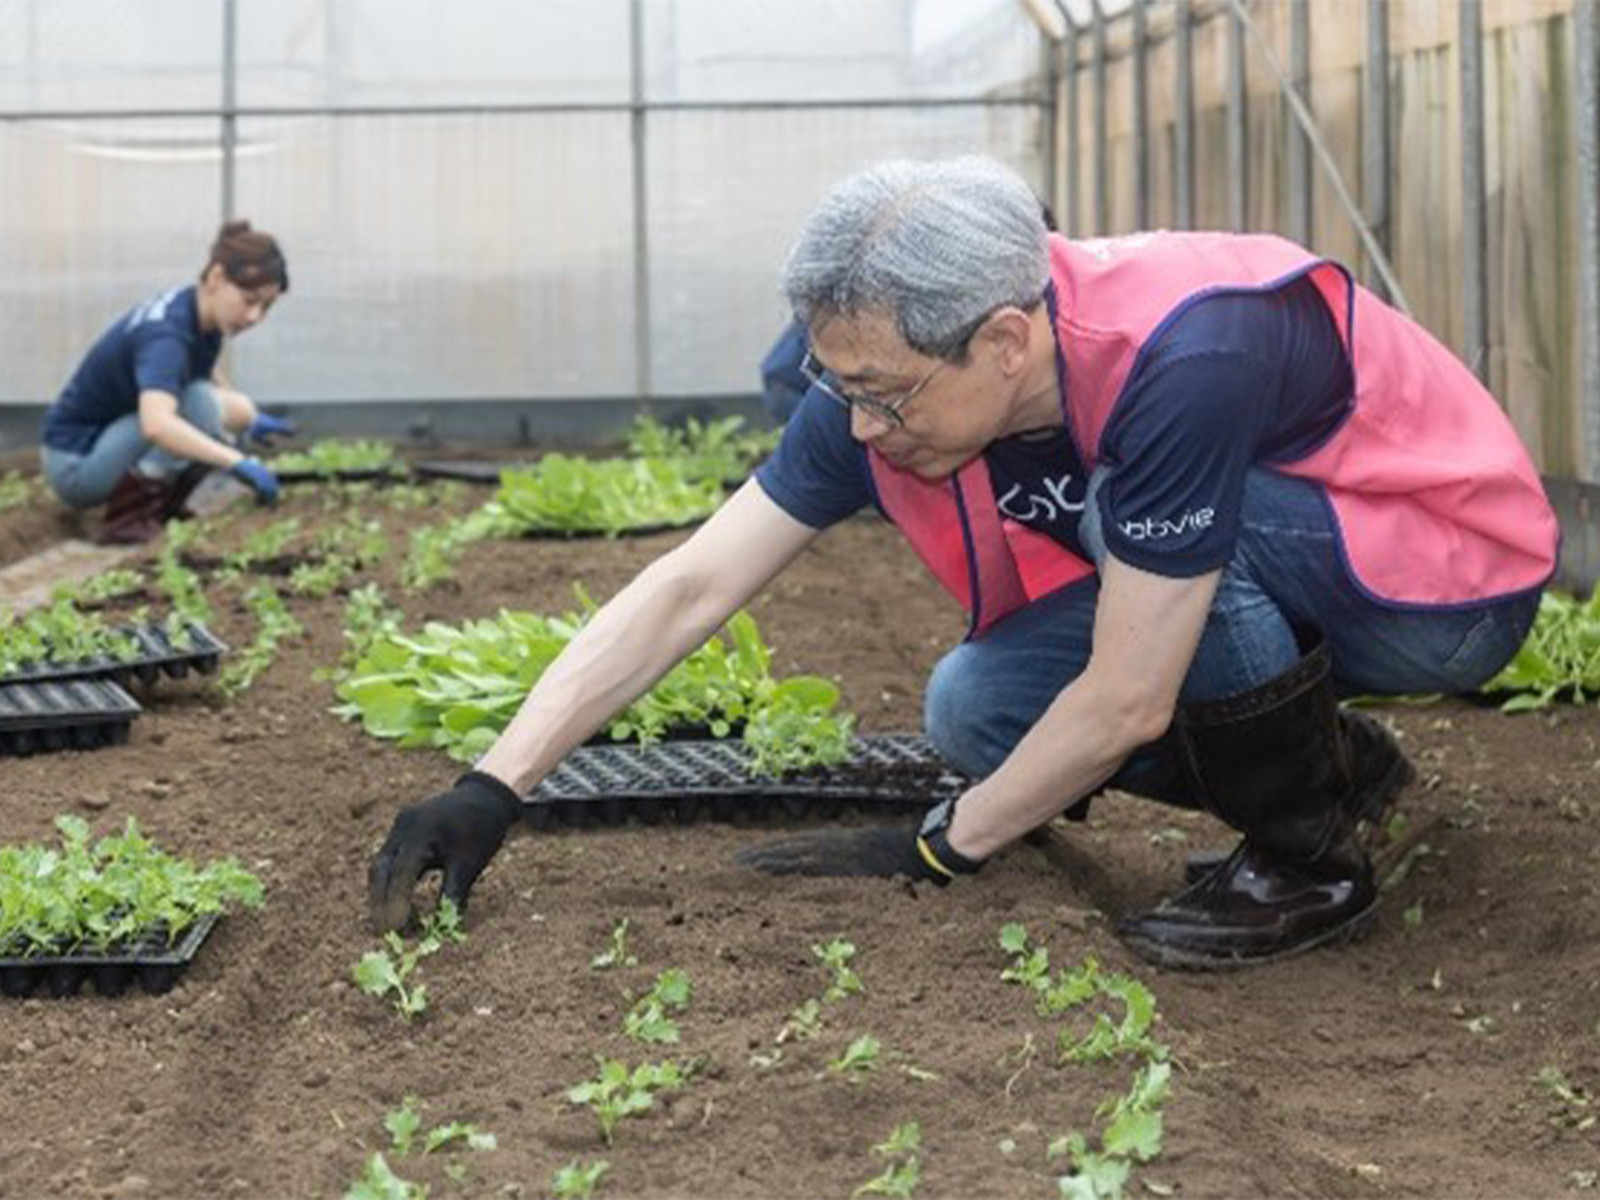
x,y
41,521
1403,1065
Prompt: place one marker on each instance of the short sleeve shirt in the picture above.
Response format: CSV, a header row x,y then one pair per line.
x,y
1234,380
156,346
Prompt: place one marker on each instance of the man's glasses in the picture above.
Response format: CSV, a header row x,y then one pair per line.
x,y
886,410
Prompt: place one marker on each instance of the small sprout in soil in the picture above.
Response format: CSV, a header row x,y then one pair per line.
x,y
1413,917
616,1092
577,1180
904,1172
381,972
616,954
648,1020
804,1022
1574,1101
859,1057
1094,1176
274,624
836,956
379,1182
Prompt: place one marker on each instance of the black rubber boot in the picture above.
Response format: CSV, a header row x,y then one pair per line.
x,y
133,511
1274,763
175,501
1381,774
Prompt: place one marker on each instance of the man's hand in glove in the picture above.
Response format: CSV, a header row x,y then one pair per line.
x,y
923,853
456,832
265,428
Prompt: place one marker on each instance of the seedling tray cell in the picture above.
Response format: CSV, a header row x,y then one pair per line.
x,y
147,960
157,657
69,714
688,781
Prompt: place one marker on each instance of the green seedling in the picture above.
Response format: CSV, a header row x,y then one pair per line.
x,y
616,953
649,1019
1094,1176
860,1057
379,1182
1413,917
1574,1100
836,956
561,494
1559,659
327,457
274,624
59,633
616,1092
904,1172
16,489
381,972
403,1123
804,1022
577,1180
322,579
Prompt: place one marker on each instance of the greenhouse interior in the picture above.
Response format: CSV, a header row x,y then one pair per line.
x,y
800,598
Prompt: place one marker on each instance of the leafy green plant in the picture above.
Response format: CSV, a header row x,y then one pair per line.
x,y
456,689
649,1020
183,587
332,456
388,970
904,1172
859,1057
616,953
1573,1101
836,956
1560,657
617,1093
16,489
715,451
59,633
561,494
433,550
378,1181
97,589
577,1180
274,625
54,901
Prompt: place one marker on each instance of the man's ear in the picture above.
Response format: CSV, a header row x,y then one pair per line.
x,y
1005,336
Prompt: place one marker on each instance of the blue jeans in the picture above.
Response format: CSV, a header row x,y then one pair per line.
x,y
1287,571
84,480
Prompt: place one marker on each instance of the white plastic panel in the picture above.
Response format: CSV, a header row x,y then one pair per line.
x,y
728,194
412,53
756,50
112,211
110,55
436,257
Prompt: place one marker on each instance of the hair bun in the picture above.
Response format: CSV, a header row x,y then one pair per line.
x,y
233,228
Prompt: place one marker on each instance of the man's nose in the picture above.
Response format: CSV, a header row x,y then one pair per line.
x,y
866,425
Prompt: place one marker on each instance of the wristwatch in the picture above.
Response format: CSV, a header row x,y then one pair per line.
x,y
943,861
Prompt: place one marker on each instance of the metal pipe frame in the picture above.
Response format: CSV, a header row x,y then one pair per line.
x,y
1586,79
1297,156
641,213
1375,140
1069,221
230,102
1238,127
1102,185
1183,119
1141,117
1474,210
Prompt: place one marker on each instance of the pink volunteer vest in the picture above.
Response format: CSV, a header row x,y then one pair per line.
x,y
1436,501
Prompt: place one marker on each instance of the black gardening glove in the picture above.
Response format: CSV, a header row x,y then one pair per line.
x,y
922,853
457,832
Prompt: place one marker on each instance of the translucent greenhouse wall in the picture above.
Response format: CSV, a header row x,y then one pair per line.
x,y
455,181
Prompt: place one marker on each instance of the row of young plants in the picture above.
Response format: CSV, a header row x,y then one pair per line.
x,y
99,895
455,688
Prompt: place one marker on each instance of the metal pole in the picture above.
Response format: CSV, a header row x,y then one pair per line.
x,y
1238,127
1375,134
1298,151
1141,120
1054,165
1102,185
1474,216
230,104
641,221
1587,38
1068,220
1183,118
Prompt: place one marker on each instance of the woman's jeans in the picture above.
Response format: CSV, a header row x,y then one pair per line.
x,y
1287,571
84,480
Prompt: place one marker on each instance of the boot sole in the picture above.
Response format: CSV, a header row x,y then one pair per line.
x,y
1176,959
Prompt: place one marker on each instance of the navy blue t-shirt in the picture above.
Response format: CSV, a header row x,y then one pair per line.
x,y
156,346
1235,379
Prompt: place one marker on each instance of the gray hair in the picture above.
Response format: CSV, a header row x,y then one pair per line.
x,y
937,246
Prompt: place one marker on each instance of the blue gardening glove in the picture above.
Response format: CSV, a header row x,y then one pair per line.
x,y
457,832
264,428
258,477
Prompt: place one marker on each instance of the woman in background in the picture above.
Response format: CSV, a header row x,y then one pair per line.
x,y
148,413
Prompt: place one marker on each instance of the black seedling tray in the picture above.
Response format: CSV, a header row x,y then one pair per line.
x,y
685,781
360,475
157,657
69,714
466,470
147,960
572,535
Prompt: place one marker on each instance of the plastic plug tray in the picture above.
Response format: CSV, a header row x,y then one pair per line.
x,y
690,780
147,960
157,657
69,714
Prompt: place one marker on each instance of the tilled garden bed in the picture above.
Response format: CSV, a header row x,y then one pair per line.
x,y
1403,1065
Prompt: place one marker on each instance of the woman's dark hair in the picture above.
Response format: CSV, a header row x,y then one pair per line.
x,y
248,257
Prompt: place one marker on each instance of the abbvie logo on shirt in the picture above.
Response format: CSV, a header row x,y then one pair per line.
x,y
1153,529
